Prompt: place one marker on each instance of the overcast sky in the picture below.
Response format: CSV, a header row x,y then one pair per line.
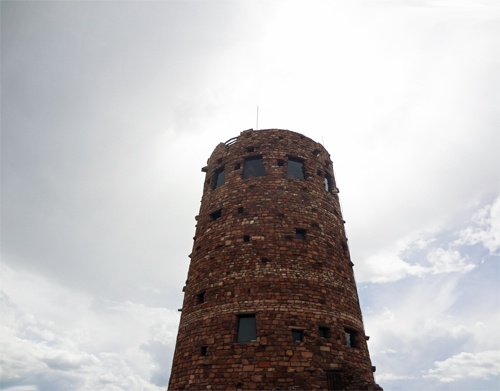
x,y
110,109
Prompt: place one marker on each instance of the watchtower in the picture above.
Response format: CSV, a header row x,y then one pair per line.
x,y
270,299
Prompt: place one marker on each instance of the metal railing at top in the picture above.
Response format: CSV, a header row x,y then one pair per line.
x,y
231,141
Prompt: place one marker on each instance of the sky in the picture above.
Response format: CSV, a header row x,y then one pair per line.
x,y
109,110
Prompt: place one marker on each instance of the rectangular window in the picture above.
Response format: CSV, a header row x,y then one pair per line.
x,y
300,233
297,335
200,297
220,178
203,351
334,380
247,331
328,183
295,168
254,167
323,332
350,337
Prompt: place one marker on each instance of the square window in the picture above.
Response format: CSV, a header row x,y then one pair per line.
x,y
281,163
295,168
203,351
247,331
254,167
237,166
300,233
220,178
350,336
297,335
200,297
323,332
240,209
246,238
250,149
216,215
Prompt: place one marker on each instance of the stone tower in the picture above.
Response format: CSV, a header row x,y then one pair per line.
x,y
270,299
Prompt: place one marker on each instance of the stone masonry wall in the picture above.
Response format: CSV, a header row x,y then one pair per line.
x,y
249,261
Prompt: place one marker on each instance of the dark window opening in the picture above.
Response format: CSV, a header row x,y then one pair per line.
x,y
300,233
220,178
297,335
350,336
316,152
281,162
323,332
247,331
334,380
250,149
254,167
219,161
295,169
203,351
200,297
216,215
240,209
237,166
246,238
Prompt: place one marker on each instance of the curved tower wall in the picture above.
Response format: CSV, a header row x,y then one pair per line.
x,y
270,250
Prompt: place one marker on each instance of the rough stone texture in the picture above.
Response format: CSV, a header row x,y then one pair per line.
x,y
288,283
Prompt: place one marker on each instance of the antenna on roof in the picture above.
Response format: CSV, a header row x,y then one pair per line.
x,y
257,127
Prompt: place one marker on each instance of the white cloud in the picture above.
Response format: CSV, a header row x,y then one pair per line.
x,y
89,353
486,229
481,365
447,261
388,265
391,263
